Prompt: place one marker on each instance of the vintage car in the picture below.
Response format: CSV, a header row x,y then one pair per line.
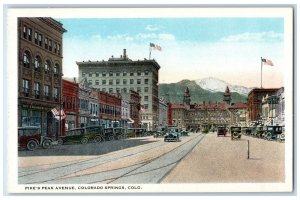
x,y
184,133
172,136
272,132
222,130
159,134
236,132
118,133
258,132
82,135
247,130
30,137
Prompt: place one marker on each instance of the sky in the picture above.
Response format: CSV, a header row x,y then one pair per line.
x,y
192,48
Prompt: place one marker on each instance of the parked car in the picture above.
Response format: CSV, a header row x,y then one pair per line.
x,y
272,132
82,135
236,132
172,136
222,130
159,134
184,133
118,133
30,137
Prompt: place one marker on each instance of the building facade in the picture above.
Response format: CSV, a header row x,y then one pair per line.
x,y
255,97
71,103
40,73
84,112
122,73
163,113
135,109
239,114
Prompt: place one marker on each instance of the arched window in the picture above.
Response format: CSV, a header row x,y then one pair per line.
x,y
56,70
47,67
37,63
26,59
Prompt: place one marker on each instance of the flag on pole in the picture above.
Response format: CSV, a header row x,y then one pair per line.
x,y
154,46
267,62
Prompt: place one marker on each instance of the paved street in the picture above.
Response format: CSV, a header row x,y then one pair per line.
x,y
198,158
147,163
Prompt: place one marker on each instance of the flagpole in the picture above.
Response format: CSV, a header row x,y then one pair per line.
x,y
149,52
260,72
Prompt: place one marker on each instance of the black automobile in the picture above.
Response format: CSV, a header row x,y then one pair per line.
x,y
272,132
236,132
172,136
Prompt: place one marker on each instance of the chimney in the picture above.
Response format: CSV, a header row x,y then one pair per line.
x,y
124,53
74,79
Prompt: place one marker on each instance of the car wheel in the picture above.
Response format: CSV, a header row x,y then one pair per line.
x,y
60,141
282,137
235,135
119,137
269,136
47,144
98,139
32,145
84,140
111,137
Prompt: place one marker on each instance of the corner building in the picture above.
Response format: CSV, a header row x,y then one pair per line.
x,y
124,74
39,72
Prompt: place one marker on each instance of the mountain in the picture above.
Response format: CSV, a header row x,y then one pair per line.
x,y
217,85
173,92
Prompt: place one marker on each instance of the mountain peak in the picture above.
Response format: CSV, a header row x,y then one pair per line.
x,y
217,85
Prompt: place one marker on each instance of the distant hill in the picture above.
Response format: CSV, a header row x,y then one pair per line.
x,y
174,93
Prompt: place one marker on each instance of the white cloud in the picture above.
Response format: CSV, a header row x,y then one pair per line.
x,y
142,36
166,36
269,36
152,27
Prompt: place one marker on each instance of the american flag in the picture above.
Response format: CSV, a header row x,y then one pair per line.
x,y
267,62
154,46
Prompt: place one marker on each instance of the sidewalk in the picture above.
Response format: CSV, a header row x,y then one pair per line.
x,y
220,160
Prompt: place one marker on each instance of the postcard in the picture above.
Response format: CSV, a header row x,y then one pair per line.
x,y
149,100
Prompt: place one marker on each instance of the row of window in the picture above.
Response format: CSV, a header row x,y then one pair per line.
x,y
118,90
37,88
104,74
112,110
117,82
47,68
40,40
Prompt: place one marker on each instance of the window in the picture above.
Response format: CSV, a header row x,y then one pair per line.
x,y
25,32
46,91
50,45
55,94
139,81
138,89
97,82
110,90
25,85
56,70
111,73
97,74
37,90
124,81
83,74
103,74
131,81
118,90
139,73
146,98
55,47
146,73
46,43
36,37
90,82
124,73
131,74
90,74
58,49
146,89
103,89
29,31
118,81
125,89
37,63
117,73
26,59
47,67
146,106
40,39
146,81
110,82
103,82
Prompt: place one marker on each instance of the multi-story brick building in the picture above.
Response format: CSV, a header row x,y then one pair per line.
x,y
163,113
122,73
39,73
255,97
135,109
71,103
109,109
84,112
